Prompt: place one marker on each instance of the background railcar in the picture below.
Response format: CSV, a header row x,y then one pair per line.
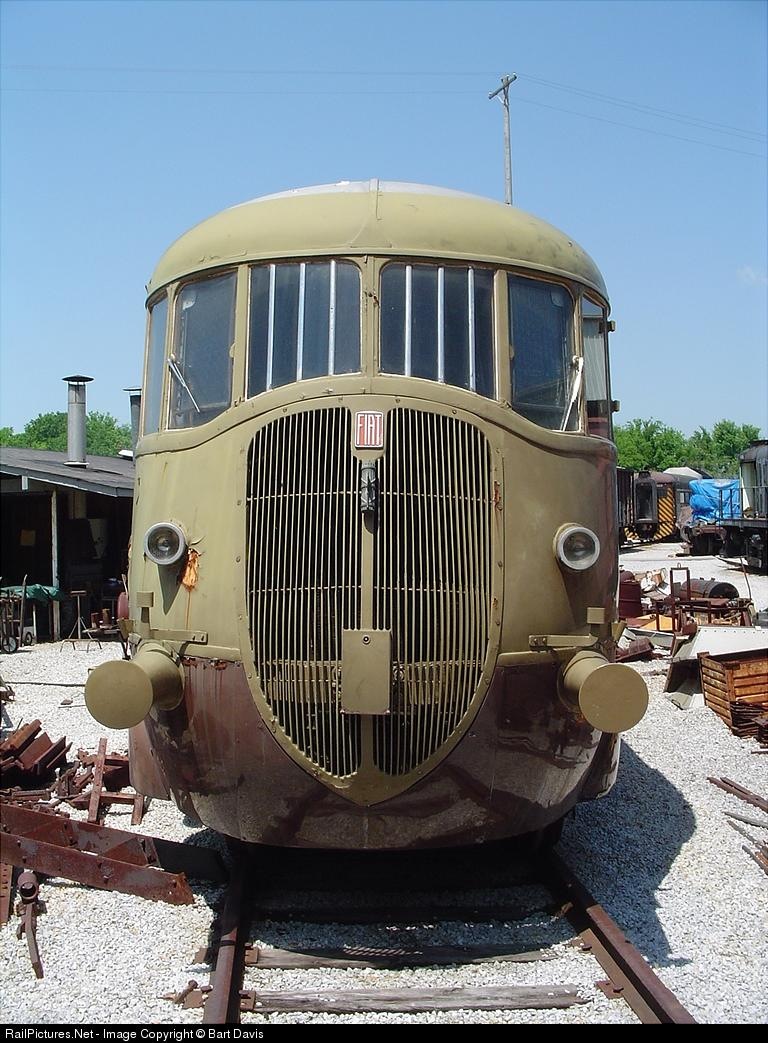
x,y
372,586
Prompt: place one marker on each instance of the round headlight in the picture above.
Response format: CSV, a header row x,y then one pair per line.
x,y
164,543
577,547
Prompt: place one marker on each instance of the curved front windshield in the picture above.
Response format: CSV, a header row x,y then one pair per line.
x,y
545,373
437,323
200,362
304,322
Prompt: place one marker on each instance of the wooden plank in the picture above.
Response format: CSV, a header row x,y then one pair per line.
x,y
391,958
413,1001
752,700
750,667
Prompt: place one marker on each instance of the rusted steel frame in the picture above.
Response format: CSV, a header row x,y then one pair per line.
x,y
222,1004
63,832
6,886
645,993
740,791
118,844
108,874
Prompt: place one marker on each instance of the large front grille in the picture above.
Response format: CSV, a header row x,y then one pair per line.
x,y
420,567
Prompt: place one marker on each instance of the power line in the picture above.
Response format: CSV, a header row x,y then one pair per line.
x,y
367,73
362,93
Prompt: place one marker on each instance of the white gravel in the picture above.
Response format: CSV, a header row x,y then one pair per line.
x,y
657,853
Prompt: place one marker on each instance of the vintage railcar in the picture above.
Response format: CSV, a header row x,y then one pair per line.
x,y
374,556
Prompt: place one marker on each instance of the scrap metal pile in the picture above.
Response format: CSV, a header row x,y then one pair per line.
x,y
654,603
39,837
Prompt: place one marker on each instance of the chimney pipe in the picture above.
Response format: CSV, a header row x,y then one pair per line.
x,y
135,401
76,421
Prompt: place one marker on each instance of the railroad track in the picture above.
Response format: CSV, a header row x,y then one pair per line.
x,y
545,888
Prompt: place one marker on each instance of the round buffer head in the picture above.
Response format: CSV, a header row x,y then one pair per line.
x,y
118,694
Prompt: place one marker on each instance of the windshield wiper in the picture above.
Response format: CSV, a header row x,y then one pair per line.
x,y
173,366
578,365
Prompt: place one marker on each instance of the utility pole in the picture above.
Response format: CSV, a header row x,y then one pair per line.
x,y
503,90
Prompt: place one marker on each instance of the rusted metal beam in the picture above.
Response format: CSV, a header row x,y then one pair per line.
x,y
110,859
6,886
108,874
740,791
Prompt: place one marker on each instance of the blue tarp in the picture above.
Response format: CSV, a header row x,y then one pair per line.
x,y
715,498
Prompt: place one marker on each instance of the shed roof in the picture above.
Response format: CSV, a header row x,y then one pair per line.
x,y
376,217
108,475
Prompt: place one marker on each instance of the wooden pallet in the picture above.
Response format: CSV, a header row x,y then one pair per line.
x,y
736,688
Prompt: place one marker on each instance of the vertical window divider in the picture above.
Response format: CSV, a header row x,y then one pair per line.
x,y
332,321
471,322
408,306
441,324
300,322
270,325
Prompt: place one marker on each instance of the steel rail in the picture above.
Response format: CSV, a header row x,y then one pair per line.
x,y
631,977
222,1003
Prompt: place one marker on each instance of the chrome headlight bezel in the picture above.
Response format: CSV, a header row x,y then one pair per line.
x,y
567,540
177,535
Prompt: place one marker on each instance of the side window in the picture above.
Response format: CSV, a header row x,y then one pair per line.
x,y
437,323
153,382
594,332
305,322
201,356
545,374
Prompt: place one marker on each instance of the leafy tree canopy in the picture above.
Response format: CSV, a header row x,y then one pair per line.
x,y
104,436
653,446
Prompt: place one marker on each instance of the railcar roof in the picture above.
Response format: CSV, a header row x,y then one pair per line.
x,y
376,217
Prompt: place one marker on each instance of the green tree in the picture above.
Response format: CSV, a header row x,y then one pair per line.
x,y
649,445
104,436
718,451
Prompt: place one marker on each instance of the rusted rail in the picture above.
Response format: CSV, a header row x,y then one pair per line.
x,y
630,976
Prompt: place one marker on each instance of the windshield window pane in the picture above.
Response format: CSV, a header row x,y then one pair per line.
x,y
594,328
437,324
304,322
201,361
153,385
545,378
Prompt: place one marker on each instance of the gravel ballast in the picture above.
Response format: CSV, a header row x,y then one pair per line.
x,y
658,853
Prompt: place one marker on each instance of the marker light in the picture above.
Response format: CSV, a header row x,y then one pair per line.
x,y
576,547
164,543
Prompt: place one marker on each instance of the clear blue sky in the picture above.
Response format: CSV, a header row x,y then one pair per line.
x,y
638,128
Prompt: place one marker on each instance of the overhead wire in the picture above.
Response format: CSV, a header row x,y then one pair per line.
x,y
707,126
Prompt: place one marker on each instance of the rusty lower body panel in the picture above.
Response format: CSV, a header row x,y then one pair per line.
x,y
523,764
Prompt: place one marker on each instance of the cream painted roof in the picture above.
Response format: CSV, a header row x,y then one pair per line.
x,y
376,217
